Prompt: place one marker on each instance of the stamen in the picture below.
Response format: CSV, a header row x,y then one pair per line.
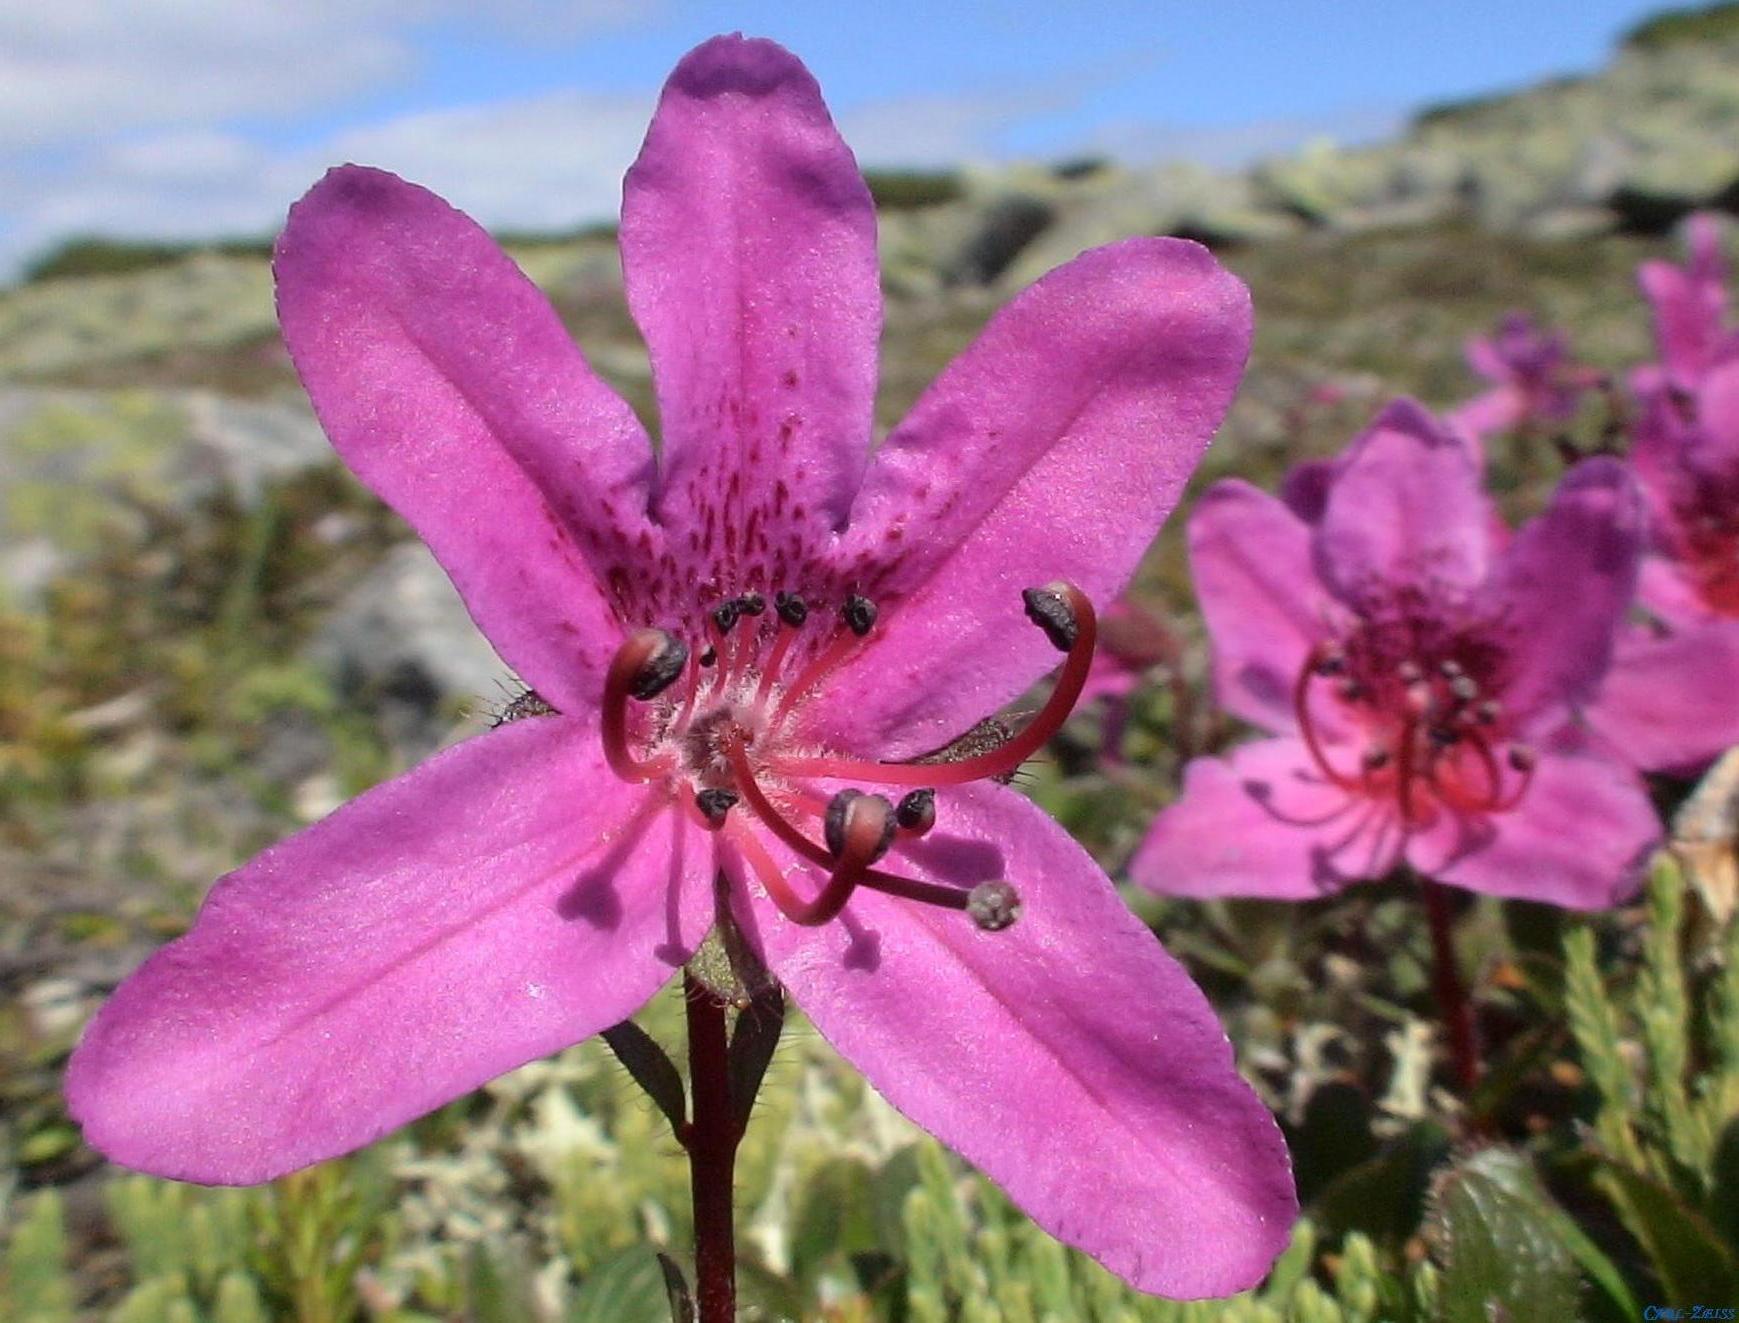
x,y
1307,725
1045,723
846,812
792,611
724,615
927,893
751,604
714,804
1049,609
859,615
863,832
916,812
643,668
993,906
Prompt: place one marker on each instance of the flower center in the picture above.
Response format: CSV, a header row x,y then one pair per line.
x,y
719,720
1425,703
1708,537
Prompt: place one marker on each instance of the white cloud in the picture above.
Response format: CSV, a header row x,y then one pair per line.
x,y
75,70
83,69
541,162
129,119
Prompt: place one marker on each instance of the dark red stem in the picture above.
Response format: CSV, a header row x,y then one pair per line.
x,y
712,1138
1452,1001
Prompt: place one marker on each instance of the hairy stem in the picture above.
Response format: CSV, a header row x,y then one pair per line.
x,y
712,1137
1453,1006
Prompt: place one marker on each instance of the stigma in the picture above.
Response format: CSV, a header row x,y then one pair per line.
x,y
718,720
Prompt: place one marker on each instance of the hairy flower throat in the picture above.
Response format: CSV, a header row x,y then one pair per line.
x,y
721,726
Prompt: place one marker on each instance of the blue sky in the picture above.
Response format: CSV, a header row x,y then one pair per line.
x,y
188,118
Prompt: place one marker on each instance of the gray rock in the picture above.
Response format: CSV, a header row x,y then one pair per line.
x,y
401,638
77,462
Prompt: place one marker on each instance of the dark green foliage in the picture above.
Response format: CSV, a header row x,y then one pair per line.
x,y
1497,1247
900,190
1677,27
97,256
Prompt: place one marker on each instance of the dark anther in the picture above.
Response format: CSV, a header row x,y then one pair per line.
x,y
1330,664
708,656
833,824
1464,687
1375,759
1488,712
916,811
836,823
792,609
1449,668
1349,691
1522,758
1049,609
725,615
714,804
859,614
751,604
993,905
1444,736
660,669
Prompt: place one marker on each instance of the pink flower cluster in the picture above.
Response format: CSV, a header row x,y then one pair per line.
x,y
1440,692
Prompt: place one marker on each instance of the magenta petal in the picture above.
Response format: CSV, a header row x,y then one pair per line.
x,y
1265,822
1561,587
1488,414
1052,448
1264,608
1689,303
1579,838
1406,510
1304,489
1668,703
447,383
749,245
1717,405
1665,590
502,901
1068,1057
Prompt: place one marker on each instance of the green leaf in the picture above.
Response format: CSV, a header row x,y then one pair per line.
x,y
34,1283
676,1290
1497,1246
1688,1257
1334,1137
752,1042
835,1217
652,1069
1724,1185
626,1288
1385,1196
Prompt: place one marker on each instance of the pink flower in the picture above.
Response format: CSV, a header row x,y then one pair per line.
x,y
1534,381
1132,642
1690,305
1669,703
1420,680
731,633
